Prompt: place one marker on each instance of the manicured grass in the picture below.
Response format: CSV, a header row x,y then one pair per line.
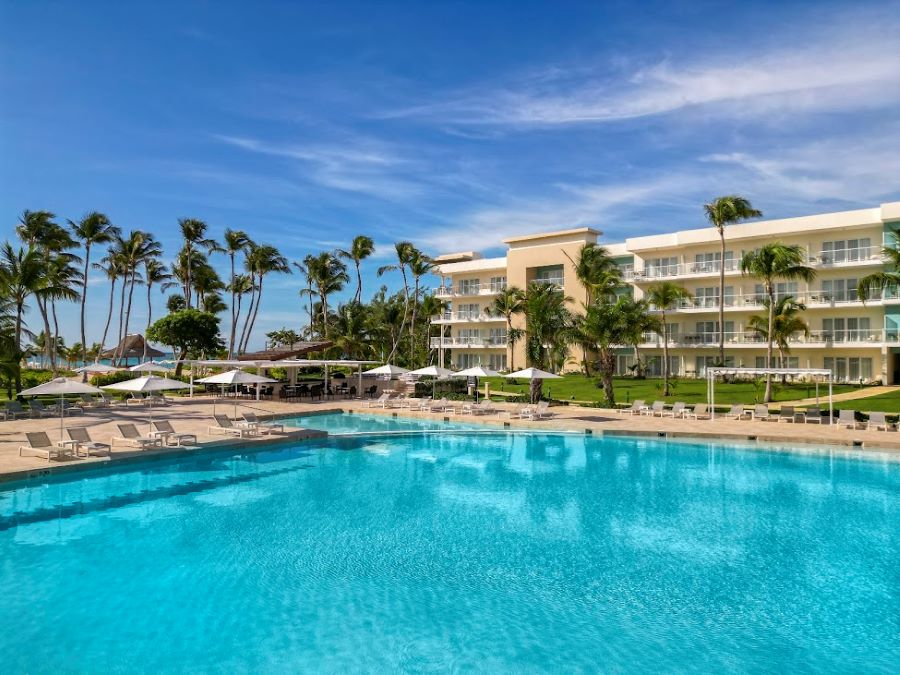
x,y
887,403
580,388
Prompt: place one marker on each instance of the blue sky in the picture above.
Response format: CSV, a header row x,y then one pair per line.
x,y
450,124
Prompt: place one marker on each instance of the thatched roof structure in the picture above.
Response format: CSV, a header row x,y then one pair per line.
x,y
131,347
291,351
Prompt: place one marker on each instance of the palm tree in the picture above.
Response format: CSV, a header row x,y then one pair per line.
x,y
607,325
768,263
111,266
349,331
433,306
419,265
361,248
665,296
93,228
723,211
547,321
133,251
508,303
785,324
404,250
21,277
327,274
236,241
881,279
262,260
193,231
63,282
155,274
638,322
596,270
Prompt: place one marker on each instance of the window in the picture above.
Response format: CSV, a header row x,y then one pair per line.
x,y
624,363
655,366
469,336
709,262
497,336
550,275
468,286
467,360
846,250
497,361
498,284
709,296
468,311
839,290
851,369
661,267
704,361
855,329
777,362
782,289
708,331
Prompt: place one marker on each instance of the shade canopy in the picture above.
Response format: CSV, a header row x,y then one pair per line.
x,y
533,374
150,367
236,376
476,371
148,383
97,368
431,371
387,370
60,387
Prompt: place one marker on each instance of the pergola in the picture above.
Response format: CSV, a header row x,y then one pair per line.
x,y
290,364
817,374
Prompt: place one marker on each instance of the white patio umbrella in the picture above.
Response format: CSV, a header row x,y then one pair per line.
x,y
533,374
387,369
150,367
432,371
476,372
148,384
60,386
97,369
235,377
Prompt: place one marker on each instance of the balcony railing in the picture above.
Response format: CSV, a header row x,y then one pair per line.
x,y
450,292
825,338
554,281
466,316
756,301
450,342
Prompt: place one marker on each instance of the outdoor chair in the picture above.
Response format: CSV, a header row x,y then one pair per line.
x,y
847,418
39,443
224,425
264,427
761,412
787,414
636,407
677,410
83,441
380,402
656,408
167,433
38,410
813,415
737,412
877,420
131,437
698,413
540,411
15,410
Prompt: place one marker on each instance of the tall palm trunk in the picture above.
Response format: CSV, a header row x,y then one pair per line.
x,y
55,337
255,312
112,291
233,314
187,273
770,289
722,299
149,317
20,310
128,311
510,345
403,320
87,264
607,367
665,355
116,354
45,317
244,336
412,323
358,296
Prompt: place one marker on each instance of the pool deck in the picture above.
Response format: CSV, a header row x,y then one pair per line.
x,y
194,415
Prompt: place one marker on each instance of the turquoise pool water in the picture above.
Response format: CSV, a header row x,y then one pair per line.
x,y
496,553
345,423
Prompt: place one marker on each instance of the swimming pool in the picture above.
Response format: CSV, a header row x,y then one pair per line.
x,y
351,423
506,552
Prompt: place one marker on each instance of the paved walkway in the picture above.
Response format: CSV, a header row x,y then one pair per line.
x,y
195,416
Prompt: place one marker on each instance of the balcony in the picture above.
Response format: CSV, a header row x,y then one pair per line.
x,y
465,317
855,337
754,302
468,291
468,342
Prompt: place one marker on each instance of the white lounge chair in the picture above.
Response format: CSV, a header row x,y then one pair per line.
x,y
737,412
83,441
847,418
656,408
132,438
39,443
540,411
380,402
813,415
877,420
15,410
636,406
264,427
224,425
761,412
166,431
699,412
677,410
442,406
787,414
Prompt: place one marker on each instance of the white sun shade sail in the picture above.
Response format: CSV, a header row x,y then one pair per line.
x,y
150,367
533,374
148,383
236,376
60,387
431,371
387,370
97,368
476,371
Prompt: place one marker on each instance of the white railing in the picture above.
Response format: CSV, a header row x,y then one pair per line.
x,y
450,342
553,281
757,301
450,292
848,256
825,338
466,316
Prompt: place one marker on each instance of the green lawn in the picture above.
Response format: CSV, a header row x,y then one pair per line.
x,y
580,388
887,403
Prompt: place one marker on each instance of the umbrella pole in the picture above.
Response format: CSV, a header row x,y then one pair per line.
x,y
62,414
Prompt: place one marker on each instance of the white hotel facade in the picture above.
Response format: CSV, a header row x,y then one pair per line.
x,y
857,341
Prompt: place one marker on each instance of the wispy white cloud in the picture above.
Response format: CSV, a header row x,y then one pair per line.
x,y
356,165
833,69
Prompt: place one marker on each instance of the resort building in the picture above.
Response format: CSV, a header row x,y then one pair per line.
x,y
857,341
